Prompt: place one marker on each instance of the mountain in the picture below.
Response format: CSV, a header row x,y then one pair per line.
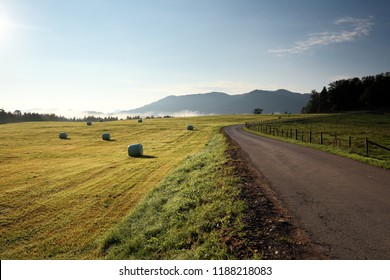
x,y
279,101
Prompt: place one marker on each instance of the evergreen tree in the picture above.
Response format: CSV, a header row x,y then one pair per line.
x,y
323,101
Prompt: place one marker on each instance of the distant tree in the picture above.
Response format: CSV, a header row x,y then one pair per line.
x,y
323,105
370,92
257,111
314,102
369,96
345,95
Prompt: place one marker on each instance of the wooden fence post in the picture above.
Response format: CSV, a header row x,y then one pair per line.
x,y
309,136
366,144
349,141
321,142
296,134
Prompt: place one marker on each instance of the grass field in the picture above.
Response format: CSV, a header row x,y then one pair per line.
x,y
60,198
336,130
85,198
185,216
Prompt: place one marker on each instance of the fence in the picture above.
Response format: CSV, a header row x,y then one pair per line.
x,y
277,129
367,145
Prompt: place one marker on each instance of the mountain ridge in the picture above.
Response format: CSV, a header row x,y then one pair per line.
x,y
279,101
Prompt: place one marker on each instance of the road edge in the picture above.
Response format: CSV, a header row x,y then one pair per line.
x,y
298,243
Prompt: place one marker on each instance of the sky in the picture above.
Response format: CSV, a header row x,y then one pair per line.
x,y
72,56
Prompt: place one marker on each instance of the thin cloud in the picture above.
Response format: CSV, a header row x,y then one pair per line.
x,y
356,28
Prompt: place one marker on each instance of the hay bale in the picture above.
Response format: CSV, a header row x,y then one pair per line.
x,y
140,120
135,150
190,127
106,136
89,123
63,135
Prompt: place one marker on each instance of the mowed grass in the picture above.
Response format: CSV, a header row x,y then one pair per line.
x,y
186,215
59,198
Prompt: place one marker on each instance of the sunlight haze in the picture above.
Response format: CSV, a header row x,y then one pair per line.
x,y
69,57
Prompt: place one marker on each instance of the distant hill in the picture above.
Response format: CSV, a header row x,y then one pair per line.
x,y
279,101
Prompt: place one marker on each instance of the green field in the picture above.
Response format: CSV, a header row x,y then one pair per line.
x,y
85,198
343,134
60,198
186,216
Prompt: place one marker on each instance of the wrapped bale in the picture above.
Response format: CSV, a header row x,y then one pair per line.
x,y
63,135
89,123
135,150
190,127
106,136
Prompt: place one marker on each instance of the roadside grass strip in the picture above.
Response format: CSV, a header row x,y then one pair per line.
x,y
336,129
186,215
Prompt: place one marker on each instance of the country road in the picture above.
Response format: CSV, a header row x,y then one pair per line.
x,y
343,205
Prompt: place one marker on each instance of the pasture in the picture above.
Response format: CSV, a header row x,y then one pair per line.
x,y
60,197
342,134
85,198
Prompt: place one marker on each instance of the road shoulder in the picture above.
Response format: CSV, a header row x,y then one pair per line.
x,y
269,230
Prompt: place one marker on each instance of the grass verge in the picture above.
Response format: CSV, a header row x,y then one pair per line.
x,y
358,126
186,215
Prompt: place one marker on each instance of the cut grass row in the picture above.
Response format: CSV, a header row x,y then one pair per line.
x,y
59,198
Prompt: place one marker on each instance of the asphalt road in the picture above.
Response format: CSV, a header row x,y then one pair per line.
x,y
343,205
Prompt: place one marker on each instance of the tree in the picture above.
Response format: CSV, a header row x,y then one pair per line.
x,y
369,97
257,111
314,102
370,92
323,105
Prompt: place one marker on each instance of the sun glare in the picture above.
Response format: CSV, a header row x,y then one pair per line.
x,y
3,30
5,25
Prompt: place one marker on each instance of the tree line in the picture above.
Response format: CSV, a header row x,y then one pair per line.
x,y
366,93
17,116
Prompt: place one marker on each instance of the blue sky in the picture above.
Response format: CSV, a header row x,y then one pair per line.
x,y
68,56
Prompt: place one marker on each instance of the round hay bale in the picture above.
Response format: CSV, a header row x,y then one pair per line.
x,y
106,136
63,135
190,127
140,120
135,150
89,123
